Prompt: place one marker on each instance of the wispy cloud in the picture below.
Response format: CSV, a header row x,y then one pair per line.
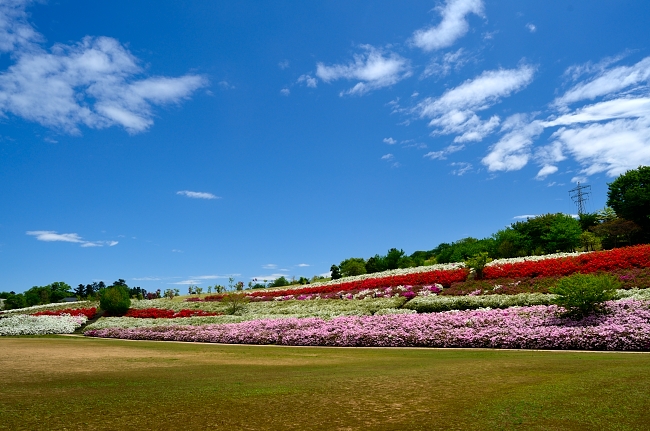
x,y
53,236
531,27
461,168
303,265
373,68
96,82
442,154
606,82
270,266
442,66
455,111
453,25
197,195
609,135
390,141
308,80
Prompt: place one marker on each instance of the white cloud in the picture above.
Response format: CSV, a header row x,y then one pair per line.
x,y
226,85
607,82
453,25
612,147
512,151
545,172
442,154
455,111
303,265
525,216
390,141
53,236
284,64
15,30
443,66
373,69
197,195
387,157
462,168
96,82
285,92
531,27
308,80
608,136
270,266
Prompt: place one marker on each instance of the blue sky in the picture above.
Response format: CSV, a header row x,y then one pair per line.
x,y
172,143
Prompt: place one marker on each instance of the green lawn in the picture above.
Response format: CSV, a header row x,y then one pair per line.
x,y
96,384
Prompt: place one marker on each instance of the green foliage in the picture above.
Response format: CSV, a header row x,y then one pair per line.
x,y
616,232
478,262
588,220
629,196
463,249
14,301
336,273
590,242
115,300
235,302
353,266
563,234
584,294
279,282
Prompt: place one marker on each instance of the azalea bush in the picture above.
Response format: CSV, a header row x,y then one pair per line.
x,y
23,324
626,327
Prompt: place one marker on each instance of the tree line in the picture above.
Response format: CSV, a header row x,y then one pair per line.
x,y
624,221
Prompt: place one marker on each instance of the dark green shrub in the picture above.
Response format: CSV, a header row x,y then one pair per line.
x,y
584,294
115,300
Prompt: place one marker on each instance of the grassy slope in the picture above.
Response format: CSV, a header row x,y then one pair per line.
x,y
91,384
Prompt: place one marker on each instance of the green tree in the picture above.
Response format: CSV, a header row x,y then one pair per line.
x,y
335,272
279,282
563,234
629,196
375,264
393,257
353,266
115,300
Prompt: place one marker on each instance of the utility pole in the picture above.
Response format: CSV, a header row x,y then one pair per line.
x,y
579,197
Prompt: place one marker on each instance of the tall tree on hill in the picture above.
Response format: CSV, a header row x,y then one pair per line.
x,y
629,196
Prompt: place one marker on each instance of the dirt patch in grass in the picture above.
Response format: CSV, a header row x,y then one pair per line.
x,y
89,384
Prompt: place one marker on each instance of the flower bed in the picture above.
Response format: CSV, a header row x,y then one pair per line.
x,y
88,312
158,313
23,324
405,285
619,258
626,327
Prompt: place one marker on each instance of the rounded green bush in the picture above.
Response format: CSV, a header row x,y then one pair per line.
x,y
584,294
115,300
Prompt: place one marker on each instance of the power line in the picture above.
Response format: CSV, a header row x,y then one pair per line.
x,y
579,197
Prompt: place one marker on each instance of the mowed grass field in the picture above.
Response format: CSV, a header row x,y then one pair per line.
x,y
67,383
